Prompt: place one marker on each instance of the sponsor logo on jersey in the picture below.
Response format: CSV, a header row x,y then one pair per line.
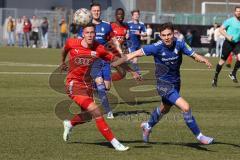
x,y
102,29
76,50
82,61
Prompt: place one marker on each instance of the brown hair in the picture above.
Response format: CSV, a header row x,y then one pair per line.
x,y
135,10
167,25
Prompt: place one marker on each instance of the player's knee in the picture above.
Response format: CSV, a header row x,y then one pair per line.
x,y
99,80
94,111
221,62
186,107
238,57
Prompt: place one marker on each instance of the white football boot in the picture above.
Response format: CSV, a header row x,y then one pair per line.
x,y
67,129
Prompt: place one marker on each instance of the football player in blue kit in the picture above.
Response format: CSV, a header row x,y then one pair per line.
x,y
101,70
137,30
167,54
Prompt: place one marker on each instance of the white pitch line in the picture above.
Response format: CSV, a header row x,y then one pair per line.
x,y
52,65
29,73
49,73
26,64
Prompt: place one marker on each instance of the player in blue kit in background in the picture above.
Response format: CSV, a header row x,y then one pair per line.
x,y
137,30
167,55
101,70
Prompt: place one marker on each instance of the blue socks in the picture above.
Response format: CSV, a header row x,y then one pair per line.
x,y
103,97
155,117
188,118
191,123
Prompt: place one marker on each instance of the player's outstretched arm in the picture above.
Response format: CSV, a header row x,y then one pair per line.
x,y
128,57
201,59
117,45
125,66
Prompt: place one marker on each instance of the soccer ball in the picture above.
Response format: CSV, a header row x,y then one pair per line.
x,y
82,17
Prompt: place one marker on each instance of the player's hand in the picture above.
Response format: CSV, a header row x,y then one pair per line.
x,y
229,38
208,63
204,60
63,67
137,76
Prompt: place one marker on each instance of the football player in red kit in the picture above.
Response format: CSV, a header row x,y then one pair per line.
x,y
120,33
119,28
81,54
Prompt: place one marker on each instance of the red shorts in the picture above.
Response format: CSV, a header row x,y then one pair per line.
x,y
81,93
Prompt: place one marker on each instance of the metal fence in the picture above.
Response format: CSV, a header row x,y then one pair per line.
x,y
54,18
176,18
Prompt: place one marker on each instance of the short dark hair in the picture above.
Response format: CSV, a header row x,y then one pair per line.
x,y
135,10
237,7
88,25
95,4
167,25
119,9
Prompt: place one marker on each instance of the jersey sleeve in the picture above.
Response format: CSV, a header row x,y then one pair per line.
x,y
186,49
226,23
150,50
104,54
143,28
112,33
67,45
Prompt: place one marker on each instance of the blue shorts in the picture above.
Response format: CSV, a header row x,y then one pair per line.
x,y
171,92
101,68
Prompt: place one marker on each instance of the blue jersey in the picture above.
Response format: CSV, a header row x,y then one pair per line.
x,y
134,27
168,59
103,31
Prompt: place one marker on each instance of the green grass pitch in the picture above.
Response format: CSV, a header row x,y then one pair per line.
x,y
31,129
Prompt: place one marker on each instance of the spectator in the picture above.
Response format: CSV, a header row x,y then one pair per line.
x,y
10,31
149,34
35,30
219,38
19,32
44,28
63,31
27,26
210,34
189,38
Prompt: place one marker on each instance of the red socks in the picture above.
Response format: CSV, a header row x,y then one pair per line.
x,y
229,60
100,123
104,129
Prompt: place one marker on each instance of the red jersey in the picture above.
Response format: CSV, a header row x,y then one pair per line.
x,y
119,32
81,59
